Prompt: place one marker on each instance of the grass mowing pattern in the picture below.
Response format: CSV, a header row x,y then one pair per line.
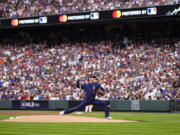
x,y
150,124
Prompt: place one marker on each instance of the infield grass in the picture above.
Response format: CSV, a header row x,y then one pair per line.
x,y
148,124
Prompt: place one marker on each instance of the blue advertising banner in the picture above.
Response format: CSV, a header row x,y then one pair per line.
x,y
29,105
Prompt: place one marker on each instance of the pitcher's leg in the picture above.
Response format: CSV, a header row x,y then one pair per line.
x,y
81,105
104,104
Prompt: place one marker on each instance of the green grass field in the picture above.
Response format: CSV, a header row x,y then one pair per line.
x,y
148,124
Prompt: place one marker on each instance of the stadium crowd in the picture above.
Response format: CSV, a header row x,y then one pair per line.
x,y
27,8
141,70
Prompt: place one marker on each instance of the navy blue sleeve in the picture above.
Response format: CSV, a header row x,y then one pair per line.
x,y
78,85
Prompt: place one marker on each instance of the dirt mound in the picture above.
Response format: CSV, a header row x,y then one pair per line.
x,y
60,119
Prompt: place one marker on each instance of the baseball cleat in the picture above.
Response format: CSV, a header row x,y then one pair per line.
x,y
109,117
61,113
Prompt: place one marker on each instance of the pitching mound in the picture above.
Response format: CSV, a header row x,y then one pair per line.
x,y
60,119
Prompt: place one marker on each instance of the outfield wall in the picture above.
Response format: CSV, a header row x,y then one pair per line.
x,y
116,105
5,104
141,105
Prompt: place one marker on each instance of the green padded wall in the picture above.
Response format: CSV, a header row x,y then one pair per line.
x,y
5,104
157,105
56,105
119,105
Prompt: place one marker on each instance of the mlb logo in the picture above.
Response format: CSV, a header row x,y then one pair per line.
x,y
152,11
94,16
43,20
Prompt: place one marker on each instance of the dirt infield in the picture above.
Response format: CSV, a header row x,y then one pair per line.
x,y
60,119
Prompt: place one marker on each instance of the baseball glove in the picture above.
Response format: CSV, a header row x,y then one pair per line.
x,y
100,92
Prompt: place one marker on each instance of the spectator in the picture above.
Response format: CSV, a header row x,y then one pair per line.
x,y
145,70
